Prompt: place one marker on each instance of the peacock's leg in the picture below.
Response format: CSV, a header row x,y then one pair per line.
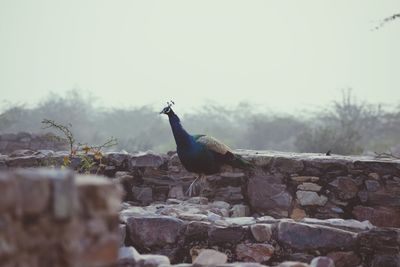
x,y
192,186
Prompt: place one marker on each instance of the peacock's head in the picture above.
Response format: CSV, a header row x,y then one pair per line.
x,y
167,110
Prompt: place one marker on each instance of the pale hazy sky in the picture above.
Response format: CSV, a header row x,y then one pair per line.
x,y
281,54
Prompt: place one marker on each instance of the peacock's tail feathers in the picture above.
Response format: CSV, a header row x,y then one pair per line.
x,y
241,163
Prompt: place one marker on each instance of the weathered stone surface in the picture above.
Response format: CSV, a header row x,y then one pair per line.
x,y
287,165
379,216
145,231
268,194
233,234
380,239
210,257
387,260
298,214
128,257
41,229
122,234
293,264
302,179
372,185
307,198
350,224
345,258
240,210
304,237
176,192
261,232
344,187
63,190
35,190
322,262
254,252
309,187
144,195
146,159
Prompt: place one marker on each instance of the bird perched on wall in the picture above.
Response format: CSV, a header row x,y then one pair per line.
x,y
201,154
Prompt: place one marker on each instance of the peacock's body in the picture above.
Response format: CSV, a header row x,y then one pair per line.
x,y
201,154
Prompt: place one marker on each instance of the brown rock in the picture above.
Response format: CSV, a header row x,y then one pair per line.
x,y
345,259
254,252
344,187
298,214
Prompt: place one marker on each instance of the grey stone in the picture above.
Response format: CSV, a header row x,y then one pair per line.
x,y
261,232
222,235
372,185
176,192
240,210
63,194
34,189
305,237
309,187
307,198
268,194
143,194
128,256
122,234
293,264
146,159
145,231
154,260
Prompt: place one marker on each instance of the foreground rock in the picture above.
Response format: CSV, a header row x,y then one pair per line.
x,y
53,218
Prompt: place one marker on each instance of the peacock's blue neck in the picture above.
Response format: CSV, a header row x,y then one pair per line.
x,y
182,138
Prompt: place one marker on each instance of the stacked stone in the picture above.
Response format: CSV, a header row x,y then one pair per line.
x,y
182,229
52,218
282,185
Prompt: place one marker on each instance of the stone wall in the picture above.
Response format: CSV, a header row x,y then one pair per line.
x,y
290,207
283,185
54,218
13,141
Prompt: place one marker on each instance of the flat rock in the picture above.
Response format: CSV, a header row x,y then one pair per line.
x,y
146,159
305,237
349,224
309,187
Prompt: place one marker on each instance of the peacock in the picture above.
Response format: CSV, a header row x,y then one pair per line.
x,y
201,154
